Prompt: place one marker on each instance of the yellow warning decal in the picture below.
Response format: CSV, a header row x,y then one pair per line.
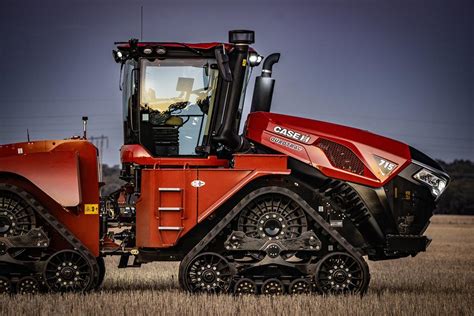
x,y
244,62
91,209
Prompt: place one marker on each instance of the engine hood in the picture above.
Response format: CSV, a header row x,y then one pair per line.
x,y
337,151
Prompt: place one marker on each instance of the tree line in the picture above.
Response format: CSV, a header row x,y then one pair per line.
x,y
458,198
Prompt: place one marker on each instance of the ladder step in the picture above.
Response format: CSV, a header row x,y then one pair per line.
x,y
169,189
173,209
174,228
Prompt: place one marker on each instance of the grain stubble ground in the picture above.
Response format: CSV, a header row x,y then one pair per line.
x,y
438,282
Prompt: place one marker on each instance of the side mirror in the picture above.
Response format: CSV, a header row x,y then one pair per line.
x,y
223,65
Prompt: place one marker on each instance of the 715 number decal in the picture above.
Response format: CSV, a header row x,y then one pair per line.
x,y
385,166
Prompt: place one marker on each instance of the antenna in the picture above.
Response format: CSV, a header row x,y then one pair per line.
x,y
84,126
28,134
141,23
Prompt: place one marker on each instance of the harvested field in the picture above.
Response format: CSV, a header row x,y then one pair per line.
x,y
440,281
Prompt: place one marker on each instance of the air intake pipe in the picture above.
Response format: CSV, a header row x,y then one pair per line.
x,y
264,84
228,134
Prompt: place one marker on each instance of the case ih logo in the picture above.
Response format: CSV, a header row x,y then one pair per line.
x,y
292,134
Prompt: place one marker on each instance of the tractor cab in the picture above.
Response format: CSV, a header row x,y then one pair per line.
x,y
185,99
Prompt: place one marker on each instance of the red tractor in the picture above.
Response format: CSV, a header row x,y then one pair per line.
x,y
291,205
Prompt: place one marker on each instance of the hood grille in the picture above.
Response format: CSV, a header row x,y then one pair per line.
x,y
341,157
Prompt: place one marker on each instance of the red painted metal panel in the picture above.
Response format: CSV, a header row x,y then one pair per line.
x,y
139,155
296,137
200,198
203,46
164,190
259,161
220,184
56,172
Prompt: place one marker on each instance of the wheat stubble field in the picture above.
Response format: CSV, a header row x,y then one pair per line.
x,y
438,282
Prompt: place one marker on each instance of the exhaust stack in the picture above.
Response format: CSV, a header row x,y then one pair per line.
x,y
264,84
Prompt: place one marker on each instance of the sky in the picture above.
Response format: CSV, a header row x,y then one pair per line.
x,y
402,69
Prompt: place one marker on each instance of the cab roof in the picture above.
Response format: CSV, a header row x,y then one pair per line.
x,y
203,46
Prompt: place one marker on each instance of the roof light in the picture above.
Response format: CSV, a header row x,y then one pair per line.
x,y
118,56
148,50
161,51
254,59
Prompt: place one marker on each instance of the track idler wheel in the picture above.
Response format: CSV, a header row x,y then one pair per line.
x,y
27,285
341,273
300,286
68,271
245,287
5,285
273,287
208,273
16,215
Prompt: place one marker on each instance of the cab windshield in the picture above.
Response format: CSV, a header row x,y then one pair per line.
x,y
177,94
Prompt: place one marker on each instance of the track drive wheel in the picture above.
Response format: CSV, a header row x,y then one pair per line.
x,y
68,271
27,285
5,285
245,287
208,273
273,287
273,216
341,273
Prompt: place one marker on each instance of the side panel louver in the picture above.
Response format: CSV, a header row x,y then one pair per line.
x,y
341,157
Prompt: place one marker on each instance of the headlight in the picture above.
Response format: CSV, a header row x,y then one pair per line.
x,y
436,183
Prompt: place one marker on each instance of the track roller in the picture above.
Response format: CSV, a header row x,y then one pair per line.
x,y
27,285
245,287
208,272
340,273
273,287
300,286
68,271
5,285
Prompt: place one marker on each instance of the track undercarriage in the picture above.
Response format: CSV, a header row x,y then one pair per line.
x,y
271,242
38,253
274,242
